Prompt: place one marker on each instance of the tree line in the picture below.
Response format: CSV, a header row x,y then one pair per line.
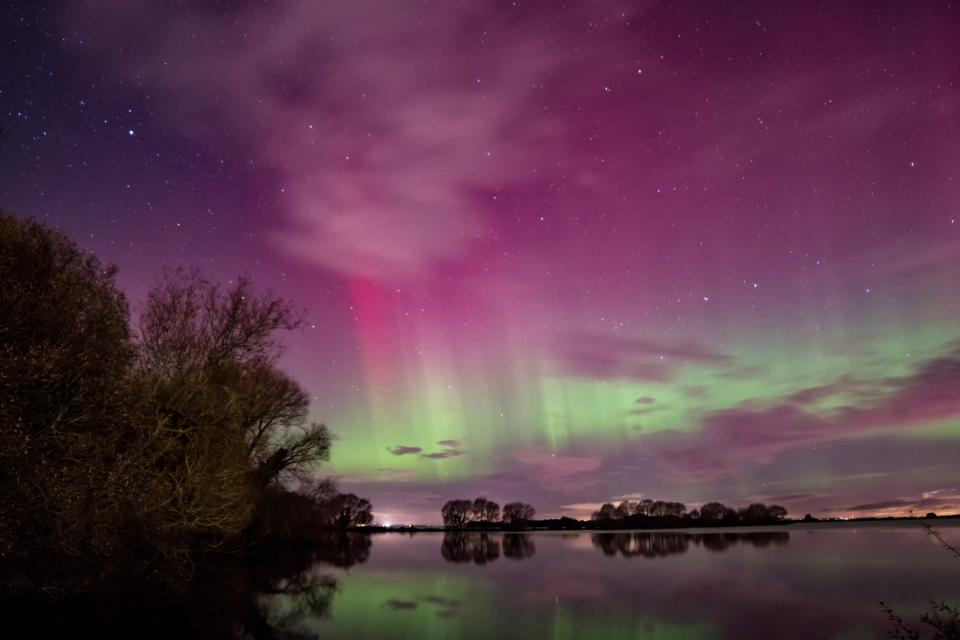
x,y
458,514
138,449
710,513
482,512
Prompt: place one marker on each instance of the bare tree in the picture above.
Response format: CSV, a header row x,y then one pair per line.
x,y
456,513
350,511
713,511
485,510
607,512
518,513
208,358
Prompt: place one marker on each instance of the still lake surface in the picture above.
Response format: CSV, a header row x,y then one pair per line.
x,y
802,581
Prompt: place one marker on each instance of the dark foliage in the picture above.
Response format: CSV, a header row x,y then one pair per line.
x,y
941,621
139,455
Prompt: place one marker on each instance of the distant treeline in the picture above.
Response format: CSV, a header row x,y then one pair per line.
x,y
643,513
483,513
135,451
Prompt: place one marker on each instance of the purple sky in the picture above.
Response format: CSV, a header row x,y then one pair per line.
x,y
556,252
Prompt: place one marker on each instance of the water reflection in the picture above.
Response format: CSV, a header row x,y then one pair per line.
x,y
440,606
274,595
659,544
299,590
518,546
705,585
481,548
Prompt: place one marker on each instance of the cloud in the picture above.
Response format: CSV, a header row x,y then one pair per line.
x,y
752,433
605,357
844,386
400,605
453,450
580,510
791,497
929,500
645,400
401,450
378,124
441,455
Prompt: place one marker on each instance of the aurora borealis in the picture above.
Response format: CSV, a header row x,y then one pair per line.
x,y
552,252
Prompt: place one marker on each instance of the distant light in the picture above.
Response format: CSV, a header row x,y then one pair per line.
x,y
130,132
387,525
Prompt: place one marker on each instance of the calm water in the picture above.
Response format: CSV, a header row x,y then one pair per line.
x,y
806,582
793,582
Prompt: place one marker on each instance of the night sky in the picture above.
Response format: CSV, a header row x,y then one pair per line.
x,y
559,252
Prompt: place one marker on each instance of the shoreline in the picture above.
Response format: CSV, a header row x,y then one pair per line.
x,y
589,526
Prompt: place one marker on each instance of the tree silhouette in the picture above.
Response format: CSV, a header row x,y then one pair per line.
x,y
350,511
607,512
713,511
518,513
484,510
625,509
776,512
456,513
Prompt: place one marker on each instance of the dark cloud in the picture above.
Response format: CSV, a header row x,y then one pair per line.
x,y
449,443
791,497
645,400
400,605
440,455
644,411
877,506
401,450
930,500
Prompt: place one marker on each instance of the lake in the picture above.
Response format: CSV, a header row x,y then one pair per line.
x,y
803,581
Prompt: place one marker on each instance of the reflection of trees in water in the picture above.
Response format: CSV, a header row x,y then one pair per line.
x,y
286,600
342,549
281,610
655,545
479,548
759,539
271,595
518,546
648,545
